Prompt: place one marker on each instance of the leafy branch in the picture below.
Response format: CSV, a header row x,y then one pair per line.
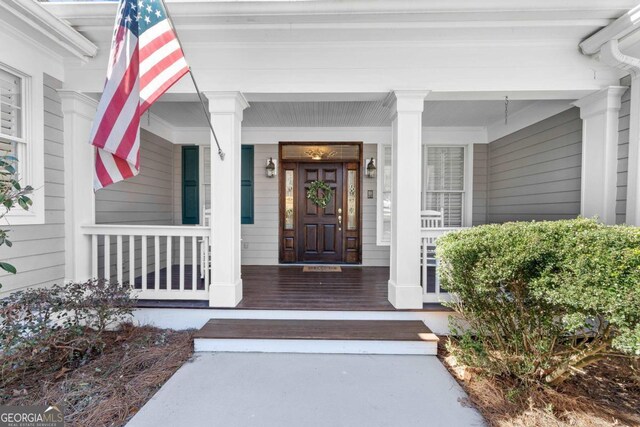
x,y
12,194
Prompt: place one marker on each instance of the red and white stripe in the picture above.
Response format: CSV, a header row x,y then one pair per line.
x,y
139,72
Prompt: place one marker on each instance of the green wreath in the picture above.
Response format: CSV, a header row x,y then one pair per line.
x,y
327,193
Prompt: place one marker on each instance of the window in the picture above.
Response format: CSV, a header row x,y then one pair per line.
x,y
384,195
443,182
12,134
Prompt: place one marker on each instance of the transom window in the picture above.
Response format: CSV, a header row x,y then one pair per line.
x,y
443,182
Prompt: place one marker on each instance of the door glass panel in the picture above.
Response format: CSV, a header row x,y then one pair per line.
x,y
288,200
351,201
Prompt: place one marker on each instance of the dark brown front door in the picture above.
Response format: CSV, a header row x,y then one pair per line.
x,y
320,234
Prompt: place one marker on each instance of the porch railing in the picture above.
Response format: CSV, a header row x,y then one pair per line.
x,y
431,291
143,256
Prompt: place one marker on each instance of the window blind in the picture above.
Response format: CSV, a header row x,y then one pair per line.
x,y
10,111
443,182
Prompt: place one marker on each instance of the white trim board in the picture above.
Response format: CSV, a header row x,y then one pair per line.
x,y
425,348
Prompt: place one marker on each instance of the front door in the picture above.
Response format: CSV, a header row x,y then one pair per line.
x,y
320,229
308,232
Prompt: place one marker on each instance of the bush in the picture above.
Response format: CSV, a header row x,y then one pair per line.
x,y
58,327
540,300
11,194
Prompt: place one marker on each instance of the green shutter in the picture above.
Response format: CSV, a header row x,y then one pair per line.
x,y
246,185
190,187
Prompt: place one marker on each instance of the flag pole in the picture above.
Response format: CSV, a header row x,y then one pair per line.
x,y
193,79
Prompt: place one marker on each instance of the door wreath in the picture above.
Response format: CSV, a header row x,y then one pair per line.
x,y
314,190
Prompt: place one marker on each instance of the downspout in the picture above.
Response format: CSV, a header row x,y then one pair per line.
x,y
605,45
610,54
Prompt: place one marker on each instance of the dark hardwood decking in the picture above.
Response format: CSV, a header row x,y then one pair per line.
x,y
355,288
375,330
289,288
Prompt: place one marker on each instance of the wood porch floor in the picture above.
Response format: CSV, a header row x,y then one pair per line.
x,y
355,288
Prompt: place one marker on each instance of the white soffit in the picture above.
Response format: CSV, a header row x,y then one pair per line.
x,y
350,114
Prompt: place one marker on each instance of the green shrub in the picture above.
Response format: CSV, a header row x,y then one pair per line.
x,y
540,300
11,194
58,327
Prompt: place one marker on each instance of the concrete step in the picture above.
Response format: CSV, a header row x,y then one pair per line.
x,y
316,336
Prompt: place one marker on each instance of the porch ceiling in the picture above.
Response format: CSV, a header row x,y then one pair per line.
x,y
345,114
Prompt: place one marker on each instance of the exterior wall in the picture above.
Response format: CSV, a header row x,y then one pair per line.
x,y
480,176
260,239
534,173
38,250
146,198
623,154
372,254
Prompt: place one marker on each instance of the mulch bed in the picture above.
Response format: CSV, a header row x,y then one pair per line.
x,y
111,388
604,394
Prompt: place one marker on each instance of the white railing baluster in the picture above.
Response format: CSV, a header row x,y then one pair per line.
x,y
119,259
181,255
132,260
425,276
107,258
156,242
194,263
205,266
169,278
94,256
115,235
144,262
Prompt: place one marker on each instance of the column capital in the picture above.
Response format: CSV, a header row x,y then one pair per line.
x,y
406,101
226,102
607,99
77,102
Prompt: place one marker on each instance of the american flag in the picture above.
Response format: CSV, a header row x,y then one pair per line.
x,y
145,61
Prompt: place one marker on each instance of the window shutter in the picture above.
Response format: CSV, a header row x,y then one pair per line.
x,y
10,110
246,185
190,187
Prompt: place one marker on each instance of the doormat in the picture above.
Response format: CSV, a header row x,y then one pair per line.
x,y
321,269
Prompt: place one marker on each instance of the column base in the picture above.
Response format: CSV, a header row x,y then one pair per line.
x,y
225,294
405,296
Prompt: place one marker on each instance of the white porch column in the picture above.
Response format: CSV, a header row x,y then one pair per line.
x,y
79,111
404,281
599,114
633,161
226,115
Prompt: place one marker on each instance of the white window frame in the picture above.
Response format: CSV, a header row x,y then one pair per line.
x,y
379,190
467,203
31,147
467,184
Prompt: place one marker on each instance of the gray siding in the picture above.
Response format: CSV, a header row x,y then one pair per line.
x,y
623,154
534,174
372,254
146,198
38,250
480,176
260,239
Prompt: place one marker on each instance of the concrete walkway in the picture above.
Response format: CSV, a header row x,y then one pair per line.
x,y
282,390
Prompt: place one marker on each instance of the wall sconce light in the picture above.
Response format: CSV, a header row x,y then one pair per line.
x,y
371,168
271,168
